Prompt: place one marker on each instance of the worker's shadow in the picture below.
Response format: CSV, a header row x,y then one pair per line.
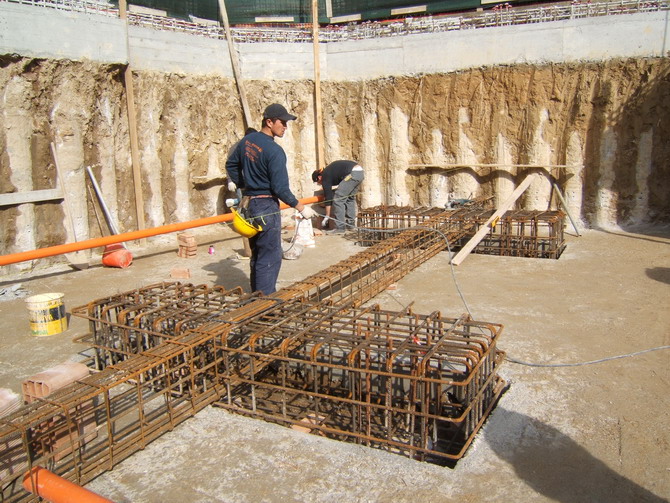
x,y
230,273
661,274
556,466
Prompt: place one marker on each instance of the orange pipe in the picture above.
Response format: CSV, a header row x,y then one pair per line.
x,y
14,258
56,489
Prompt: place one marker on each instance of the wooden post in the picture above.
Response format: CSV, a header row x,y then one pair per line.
x,y
506,205
235,65
240,89
318,121
132,127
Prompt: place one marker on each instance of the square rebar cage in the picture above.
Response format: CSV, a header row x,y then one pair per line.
x,y
412,384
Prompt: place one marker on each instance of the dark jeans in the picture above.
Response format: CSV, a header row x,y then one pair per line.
x,y
266,253
344,203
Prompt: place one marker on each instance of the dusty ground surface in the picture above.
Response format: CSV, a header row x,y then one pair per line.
x,y
598,432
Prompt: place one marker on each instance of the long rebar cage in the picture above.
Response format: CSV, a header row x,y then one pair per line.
x,y
518,233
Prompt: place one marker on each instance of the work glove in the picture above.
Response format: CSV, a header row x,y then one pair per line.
x,y
308,213
324,223
231,186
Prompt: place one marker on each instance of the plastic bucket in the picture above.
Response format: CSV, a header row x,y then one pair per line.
x,y
46,313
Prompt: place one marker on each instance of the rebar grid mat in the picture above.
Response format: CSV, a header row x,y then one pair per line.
x,y
519,233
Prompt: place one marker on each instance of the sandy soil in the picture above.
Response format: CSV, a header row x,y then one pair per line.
x,y
607,121
591,432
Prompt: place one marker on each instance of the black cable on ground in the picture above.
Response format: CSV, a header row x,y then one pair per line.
x,y
467,308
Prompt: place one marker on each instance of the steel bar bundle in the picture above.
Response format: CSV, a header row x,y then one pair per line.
x,y
519,233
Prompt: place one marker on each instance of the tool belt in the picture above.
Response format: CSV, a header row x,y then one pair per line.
x,y
243,209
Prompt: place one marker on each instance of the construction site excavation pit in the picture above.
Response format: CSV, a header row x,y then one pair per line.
x,y
494,329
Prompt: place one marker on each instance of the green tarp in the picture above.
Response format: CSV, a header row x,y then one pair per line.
x,y
247,11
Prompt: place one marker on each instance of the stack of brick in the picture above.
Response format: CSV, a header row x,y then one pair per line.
x,y
187,246
62,440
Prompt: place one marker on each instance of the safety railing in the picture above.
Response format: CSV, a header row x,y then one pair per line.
x,y
500,15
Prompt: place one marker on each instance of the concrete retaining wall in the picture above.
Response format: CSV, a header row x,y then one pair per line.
x,y
48,33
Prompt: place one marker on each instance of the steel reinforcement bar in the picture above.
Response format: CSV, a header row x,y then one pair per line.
x,y
411,384
418,385
519,233
88,427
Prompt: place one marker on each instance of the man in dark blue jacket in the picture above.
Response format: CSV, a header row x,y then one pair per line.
x,y
346,176
258,166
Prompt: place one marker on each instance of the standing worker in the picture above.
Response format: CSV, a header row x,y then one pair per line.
x,y
347,176
258,166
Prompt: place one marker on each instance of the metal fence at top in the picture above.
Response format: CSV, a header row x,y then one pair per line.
x,y
501,15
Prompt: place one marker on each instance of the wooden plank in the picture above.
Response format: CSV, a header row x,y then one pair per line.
x,y
484,230
234,62
34,196
132,128
240,88
318,119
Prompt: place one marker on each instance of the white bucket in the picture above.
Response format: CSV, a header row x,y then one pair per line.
x,y
46,314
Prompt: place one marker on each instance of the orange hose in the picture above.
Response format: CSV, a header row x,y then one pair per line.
x,y
14,258
56,489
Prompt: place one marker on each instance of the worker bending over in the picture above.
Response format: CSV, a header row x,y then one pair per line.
x,y
347,177
257,165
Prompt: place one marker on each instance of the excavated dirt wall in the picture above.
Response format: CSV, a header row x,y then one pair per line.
x,y
609,123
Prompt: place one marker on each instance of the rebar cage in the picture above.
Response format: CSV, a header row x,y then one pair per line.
x,y
518,233
411,384
310,356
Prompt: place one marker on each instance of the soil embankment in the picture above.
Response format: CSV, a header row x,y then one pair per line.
x,y
608,122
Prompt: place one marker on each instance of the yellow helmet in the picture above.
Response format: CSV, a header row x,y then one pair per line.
x,y
243,227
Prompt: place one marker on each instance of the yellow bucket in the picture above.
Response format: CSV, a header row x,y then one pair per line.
x,y
46,314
